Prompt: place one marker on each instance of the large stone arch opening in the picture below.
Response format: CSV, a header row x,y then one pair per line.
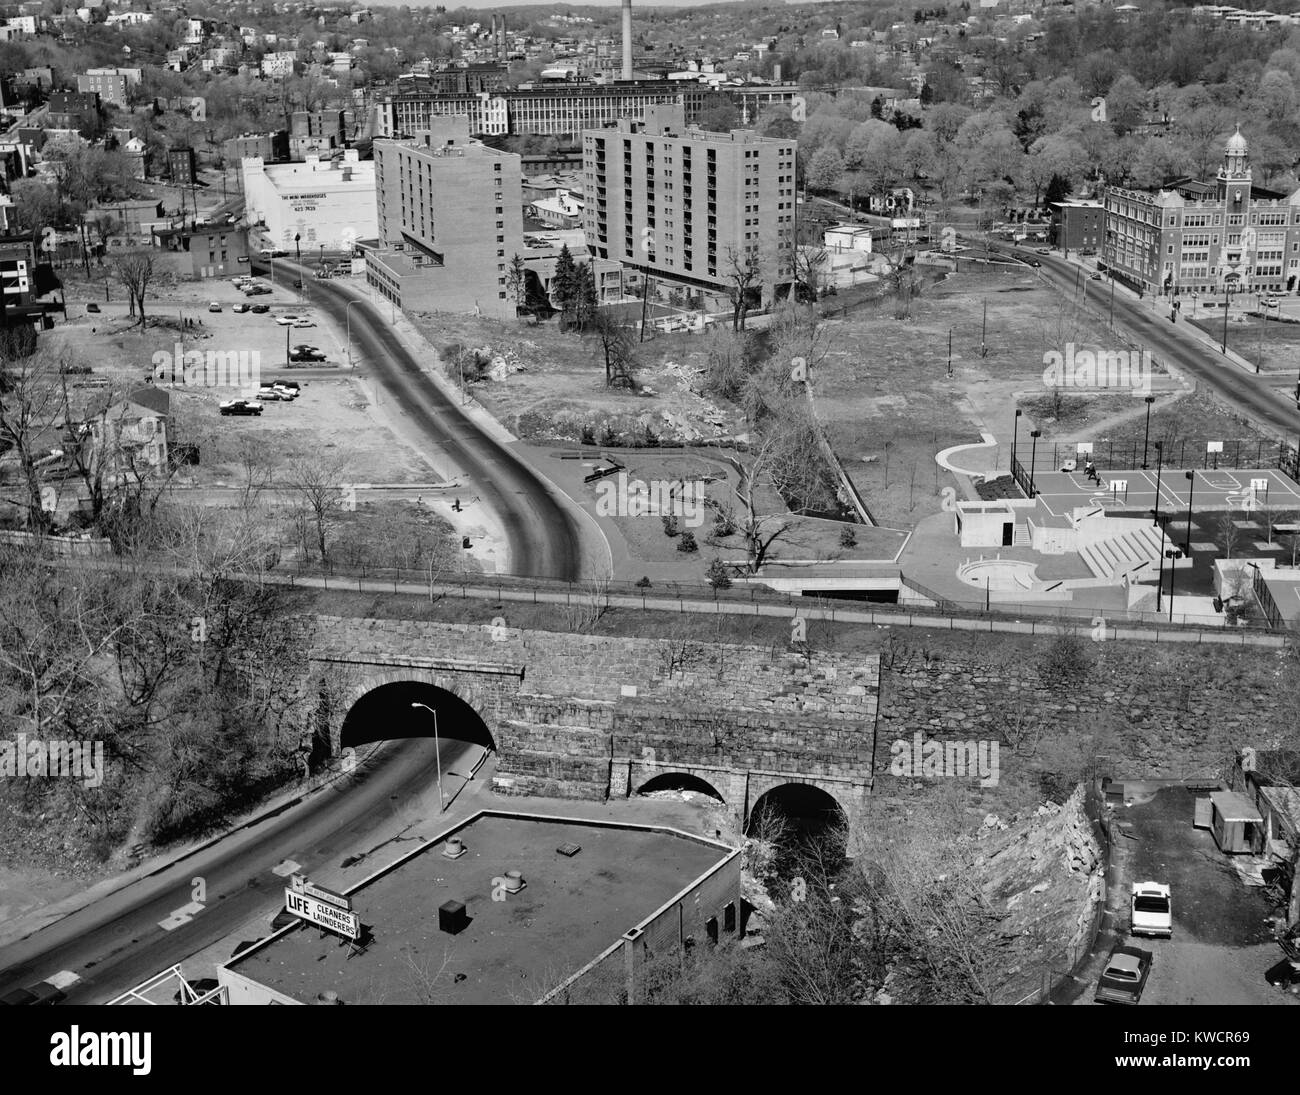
x,y
679,781
795,817
413,709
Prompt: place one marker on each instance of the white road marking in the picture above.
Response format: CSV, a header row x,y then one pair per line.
x,y
286,868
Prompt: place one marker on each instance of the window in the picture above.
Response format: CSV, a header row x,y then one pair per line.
x,y
501,224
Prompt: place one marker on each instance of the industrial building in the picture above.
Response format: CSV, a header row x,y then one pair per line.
x,y
504,908
450,219
683,205
329,203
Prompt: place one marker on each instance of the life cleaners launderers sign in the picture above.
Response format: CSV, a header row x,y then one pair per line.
x,y
322,907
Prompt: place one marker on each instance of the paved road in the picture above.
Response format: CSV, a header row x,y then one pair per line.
x,y
1255,396
542,534
118,941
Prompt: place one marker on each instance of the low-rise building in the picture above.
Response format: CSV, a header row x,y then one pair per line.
x,y
1078,225
204,250
328,203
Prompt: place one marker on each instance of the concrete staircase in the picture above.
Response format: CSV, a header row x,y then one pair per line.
x,y
1021,536
1120,554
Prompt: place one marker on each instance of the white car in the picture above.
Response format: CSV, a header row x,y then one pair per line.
x,y
271,395
1152,910
303,323
288,394
286,321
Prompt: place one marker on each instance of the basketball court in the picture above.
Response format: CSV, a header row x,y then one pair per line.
x,y
1245,490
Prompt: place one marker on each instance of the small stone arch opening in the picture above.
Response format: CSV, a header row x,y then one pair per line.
x,y
679,781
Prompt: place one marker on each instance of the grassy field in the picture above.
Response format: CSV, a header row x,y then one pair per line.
x,y
884,393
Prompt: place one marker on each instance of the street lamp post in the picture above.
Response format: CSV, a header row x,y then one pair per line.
x,y
1015,429
1159,468
1160,580
1191,489
1033,461
437,750
1148,400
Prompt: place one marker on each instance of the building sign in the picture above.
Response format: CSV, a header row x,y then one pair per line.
x,y
303,203
324,914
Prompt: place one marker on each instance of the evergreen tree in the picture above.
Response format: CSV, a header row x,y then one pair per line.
x,y
564,285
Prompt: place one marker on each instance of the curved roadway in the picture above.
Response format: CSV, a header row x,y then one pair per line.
x,y
117,942
541,532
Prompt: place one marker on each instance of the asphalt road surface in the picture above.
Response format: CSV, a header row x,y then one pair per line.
x,y
542,535
1255,396
118,941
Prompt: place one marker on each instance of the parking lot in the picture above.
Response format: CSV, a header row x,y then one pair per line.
x,y
1222,942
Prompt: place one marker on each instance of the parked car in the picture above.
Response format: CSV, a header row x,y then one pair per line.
x,y
214,307
269,395
241,406
1034,262
272,253
297,284
1124,977
1094,277
239,309
1151,910
300,323
289,385
1272,302
1041,251
287,394
285,320
260,309
306,355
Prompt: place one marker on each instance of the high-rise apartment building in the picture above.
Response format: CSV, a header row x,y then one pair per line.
x,y
450,214
687,206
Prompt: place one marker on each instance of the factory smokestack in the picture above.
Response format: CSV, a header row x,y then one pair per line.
x,y
627,39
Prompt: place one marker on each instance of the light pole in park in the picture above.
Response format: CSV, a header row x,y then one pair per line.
x,y
1159,468
1160,580
1191,489
348,313
1146,435
437,752
1015,429
1033,461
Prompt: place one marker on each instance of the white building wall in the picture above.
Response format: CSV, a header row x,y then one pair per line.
x,y
312,200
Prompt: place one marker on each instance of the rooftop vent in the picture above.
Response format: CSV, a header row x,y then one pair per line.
x,y
455,848
569,849
452,917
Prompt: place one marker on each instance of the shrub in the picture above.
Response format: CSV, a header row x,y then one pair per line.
x,y
588,435
643,583
717,574
687,542
608,436
848,537
670,525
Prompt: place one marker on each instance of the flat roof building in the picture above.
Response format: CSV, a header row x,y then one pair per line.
x,y
684,205
450,219
328,203
598,899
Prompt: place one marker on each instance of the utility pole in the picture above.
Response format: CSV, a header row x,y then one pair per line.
x,y
984,330
1224,348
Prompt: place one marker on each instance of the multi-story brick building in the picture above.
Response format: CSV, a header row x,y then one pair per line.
x,y
566,108
113,85
450,216
1078,225
269,147
683,205
73,109
1228,235
467,79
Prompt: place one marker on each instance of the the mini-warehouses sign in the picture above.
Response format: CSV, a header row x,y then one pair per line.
x,y
322,907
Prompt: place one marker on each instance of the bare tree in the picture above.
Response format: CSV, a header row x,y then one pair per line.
x,y
1228,534
761,531
135,270
319,483
745,273
617,346
29,411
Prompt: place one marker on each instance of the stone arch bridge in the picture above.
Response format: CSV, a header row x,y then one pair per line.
x,y
598,717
